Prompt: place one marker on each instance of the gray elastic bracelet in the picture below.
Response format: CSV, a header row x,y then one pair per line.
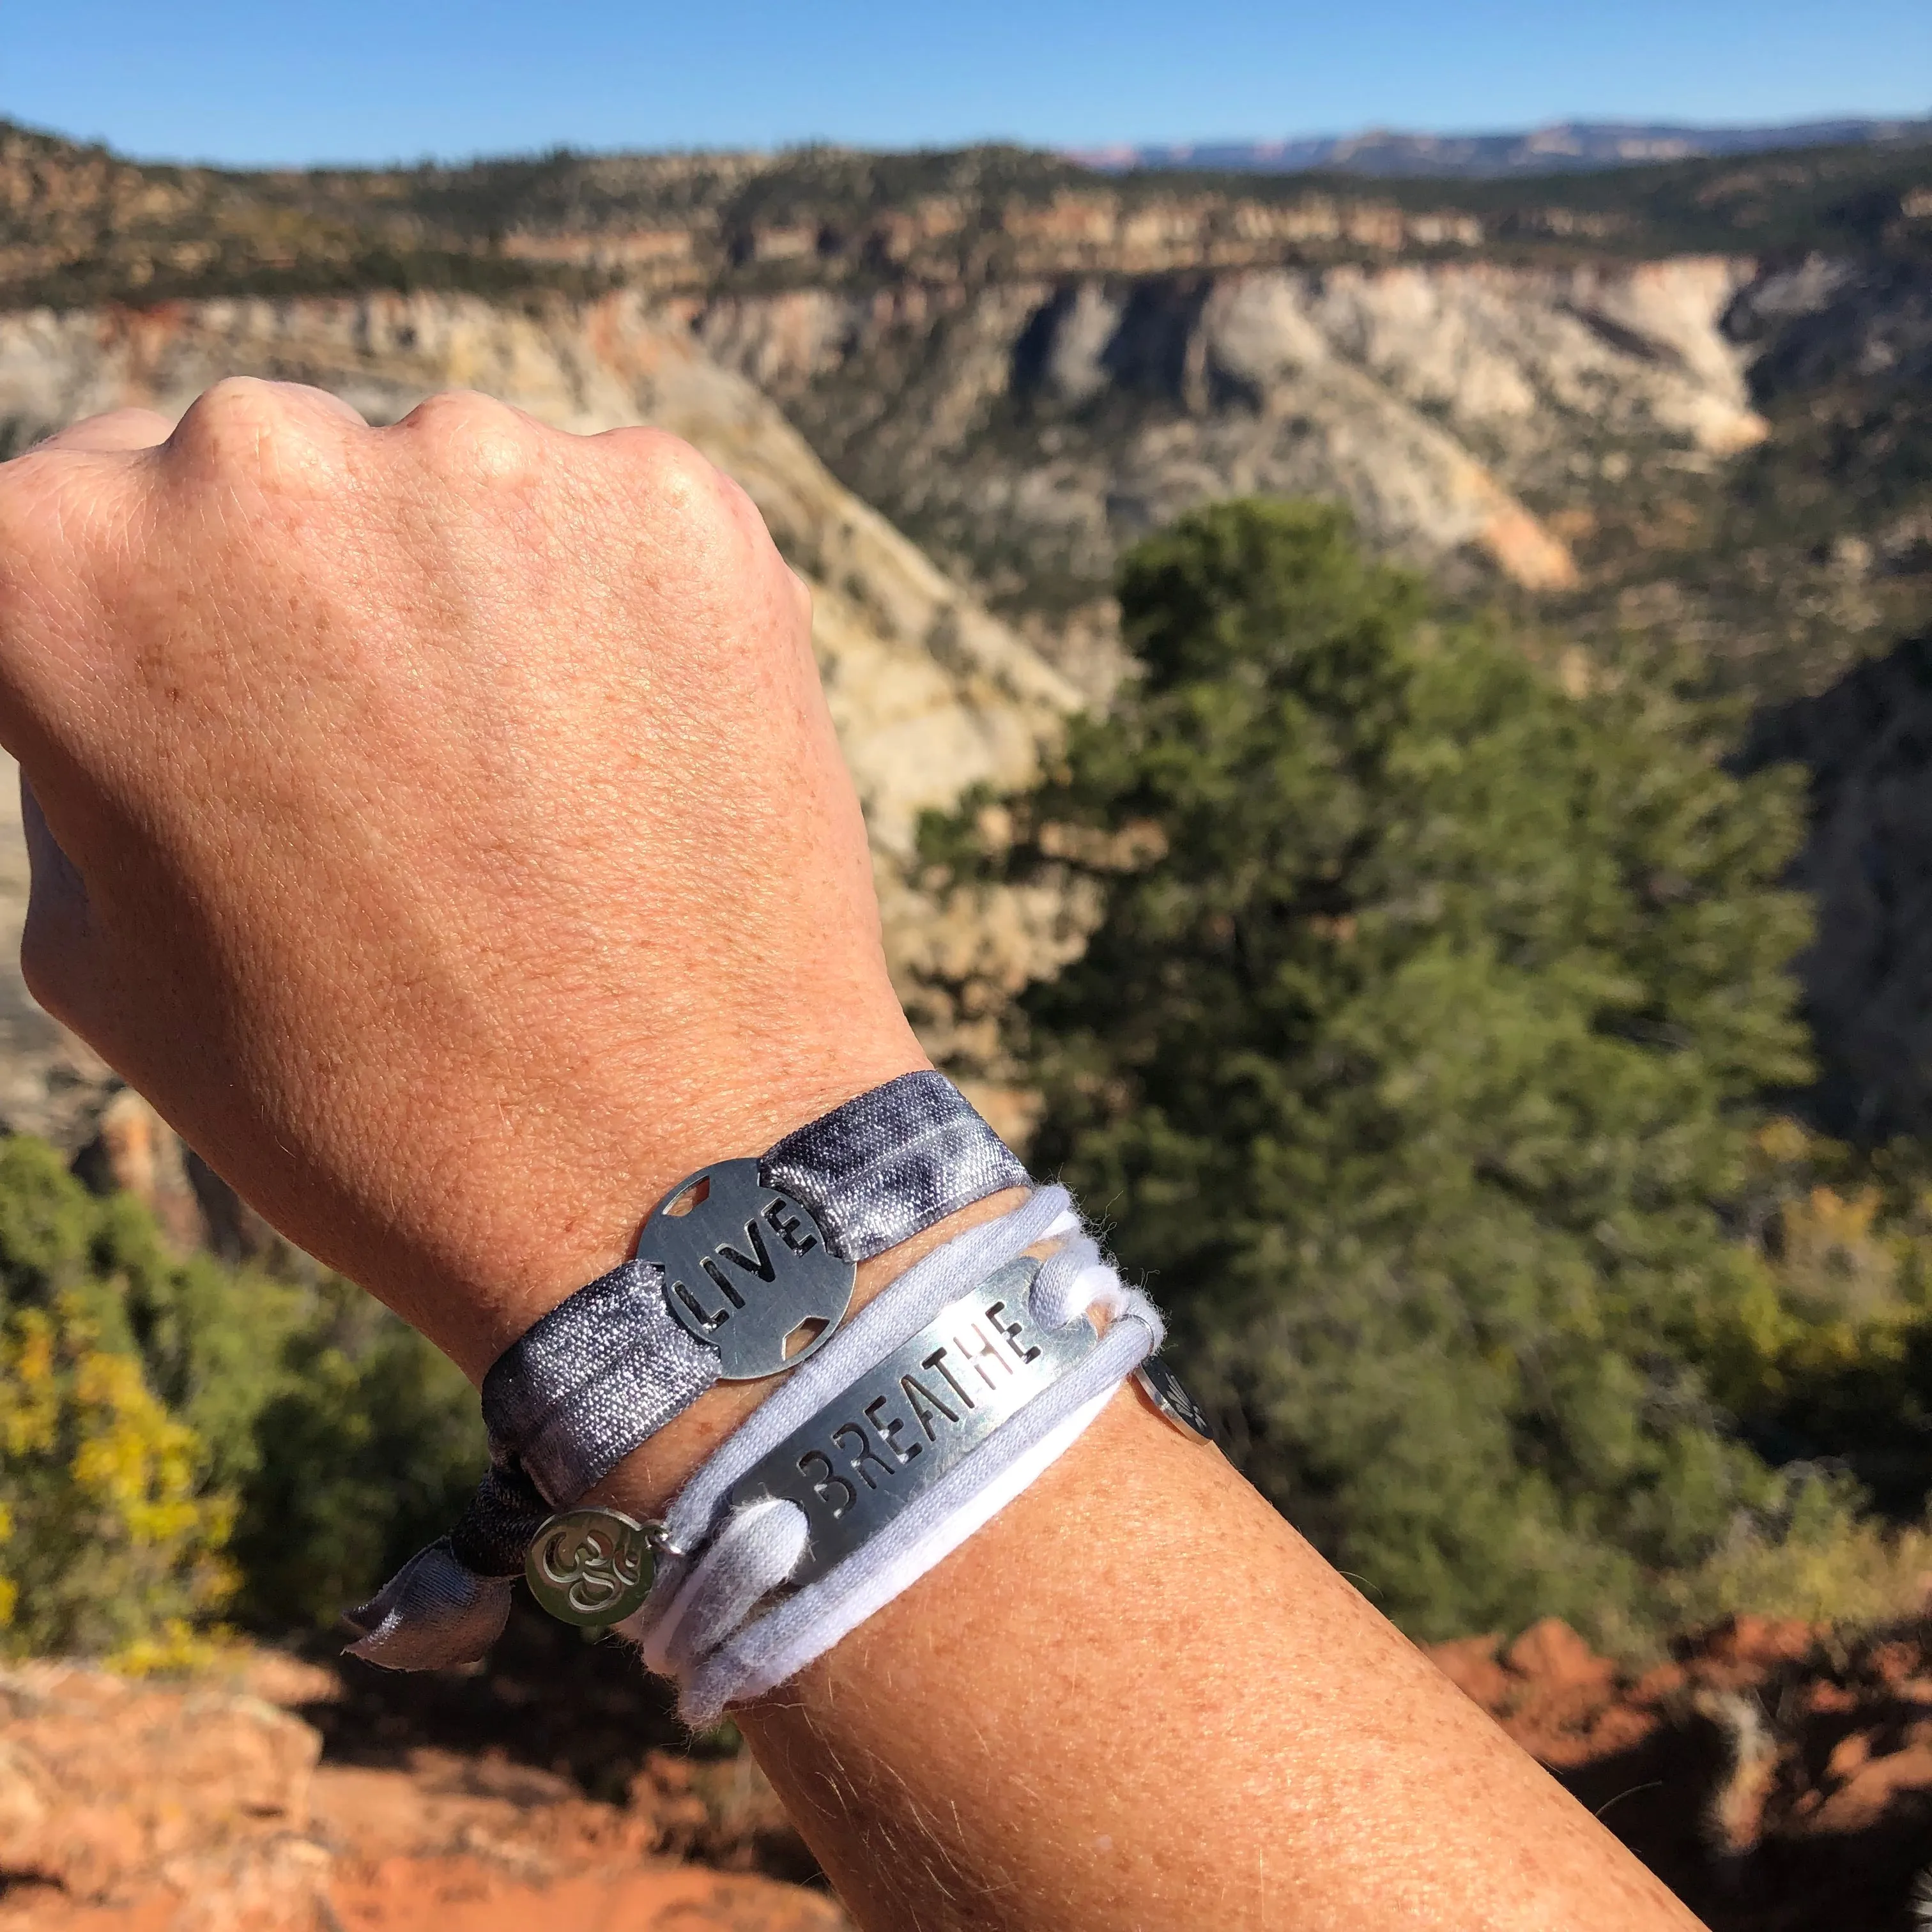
x,y
604,1371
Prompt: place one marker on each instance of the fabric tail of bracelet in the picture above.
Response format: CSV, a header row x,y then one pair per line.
x,y
449,1603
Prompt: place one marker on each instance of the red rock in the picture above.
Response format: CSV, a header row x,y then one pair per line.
x,y
1470,1663
1830,1700
1745,1639
1665,1680
455,1895
1621,1727
662,1772
1871,1791
189,1769
1896,1663
1555,1658
465,1894
210,1814
278,1884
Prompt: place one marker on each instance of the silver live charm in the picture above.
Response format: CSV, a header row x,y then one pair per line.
x,y
747,1270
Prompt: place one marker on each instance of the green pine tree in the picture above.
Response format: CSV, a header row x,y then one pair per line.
x,y
1414,1060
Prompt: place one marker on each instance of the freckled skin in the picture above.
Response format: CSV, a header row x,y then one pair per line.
x,y
442,825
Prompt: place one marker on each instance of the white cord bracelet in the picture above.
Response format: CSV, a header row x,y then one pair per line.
x,y
712,1620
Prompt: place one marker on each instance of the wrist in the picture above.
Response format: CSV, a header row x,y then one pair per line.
x,y
619,1389
533,1221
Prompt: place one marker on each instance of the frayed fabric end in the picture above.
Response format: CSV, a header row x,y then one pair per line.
x,y
432,1614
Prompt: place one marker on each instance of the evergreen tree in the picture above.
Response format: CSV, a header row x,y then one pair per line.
x,y
1414,1060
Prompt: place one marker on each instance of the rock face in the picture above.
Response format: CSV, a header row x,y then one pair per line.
x,y
106,1792
930,694
1867,743
203,1808
1776,1774
1027,428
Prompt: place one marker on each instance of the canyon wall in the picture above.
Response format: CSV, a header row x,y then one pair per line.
x,y
1026,428
957,385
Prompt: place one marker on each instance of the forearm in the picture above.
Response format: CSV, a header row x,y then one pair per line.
x,y
1137,1698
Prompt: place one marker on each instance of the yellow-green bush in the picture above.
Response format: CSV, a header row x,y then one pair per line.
x,y
1823,1559
179,1440
110,1542
1823,1354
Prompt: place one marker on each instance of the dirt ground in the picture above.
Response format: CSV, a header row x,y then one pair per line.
x,y
1778,1775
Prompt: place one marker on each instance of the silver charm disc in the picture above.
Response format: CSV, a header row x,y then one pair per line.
x,y
746,1269
590,1567
1162,1387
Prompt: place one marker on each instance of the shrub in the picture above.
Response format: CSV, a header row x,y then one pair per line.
x,y
1818,1557
368,1449
155,1408
108,1541
1827,1361
210,1340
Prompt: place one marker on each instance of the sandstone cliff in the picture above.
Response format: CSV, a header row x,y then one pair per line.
x,y
930,694
1682,406
1867,742
1535,383
1026,428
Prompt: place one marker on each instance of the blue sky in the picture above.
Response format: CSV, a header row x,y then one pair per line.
x,y
277,80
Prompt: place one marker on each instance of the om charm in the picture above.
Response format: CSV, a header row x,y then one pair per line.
x,y
591,1566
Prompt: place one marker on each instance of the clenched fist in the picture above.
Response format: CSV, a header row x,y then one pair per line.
x,y
441,824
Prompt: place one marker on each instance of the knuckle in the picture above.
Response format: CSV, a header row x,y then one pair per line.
x,y
117,430
677,490
235,403
244,425
669,472
465,431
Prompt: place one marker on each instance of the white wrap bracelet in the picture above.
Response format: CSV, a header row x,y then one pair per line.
x,y
980,1366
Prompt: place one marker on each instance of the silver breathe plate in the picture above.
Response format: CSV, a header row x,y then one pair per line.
x,y
874,1450
746,1270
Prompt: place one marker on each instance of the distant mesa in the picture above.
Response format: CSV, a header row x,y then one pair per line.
x,y
1565,147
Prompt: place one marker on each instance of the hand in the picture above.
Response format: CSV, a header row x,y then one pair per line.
x,y
441,824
